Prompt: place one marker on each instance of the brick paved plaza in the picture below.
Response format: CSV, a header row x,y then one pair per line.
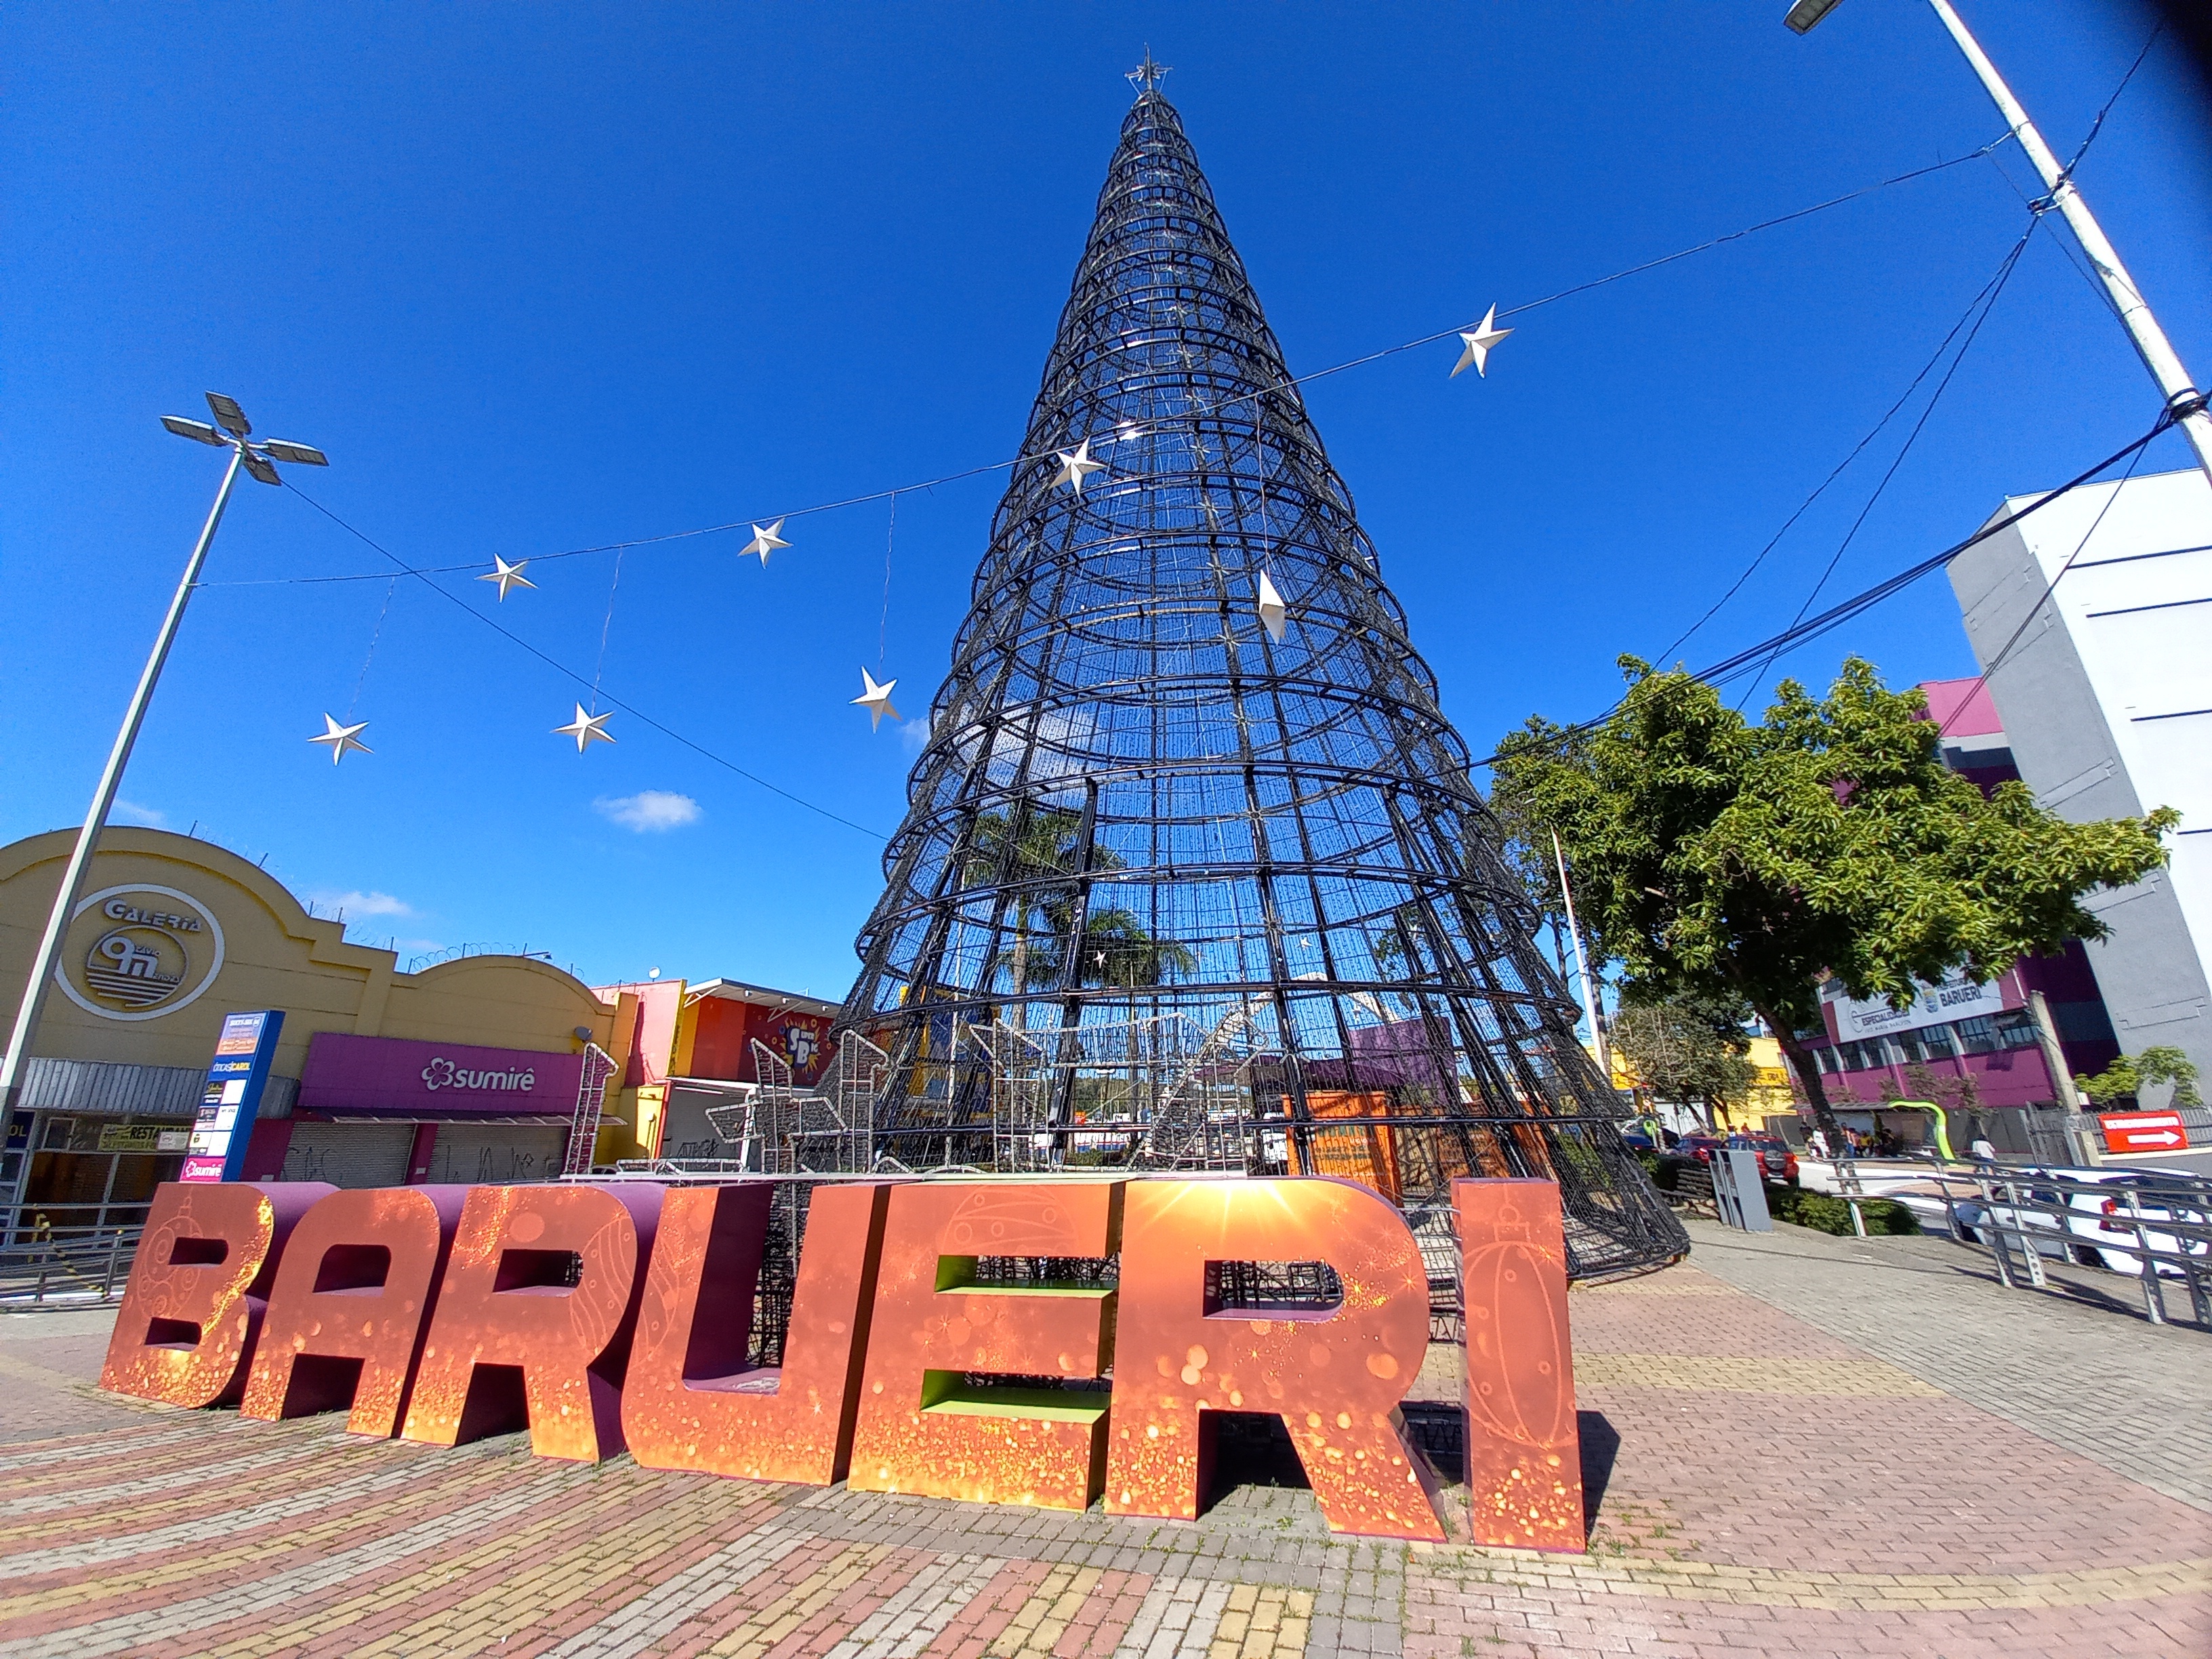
x,y
1797,1445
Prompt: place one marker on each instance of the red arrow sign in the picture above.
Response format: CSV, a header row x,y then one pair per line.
x,y
2143,1132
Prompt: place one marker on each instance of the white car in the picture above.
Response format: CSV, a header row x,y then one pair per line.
x,y
2086,1217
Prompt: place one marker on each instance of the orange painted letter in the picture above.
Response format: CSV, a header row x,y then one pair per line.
x,y
534,1319
689,1401
921,1427
191,1312
1524,1476
1334,1377
345,1318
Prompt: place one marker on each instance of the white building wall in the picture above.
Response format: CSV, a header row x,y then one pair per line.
x,y
2106,696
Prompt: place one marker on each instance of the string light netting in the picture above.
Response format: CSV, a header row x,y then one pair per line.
x,y
1183,885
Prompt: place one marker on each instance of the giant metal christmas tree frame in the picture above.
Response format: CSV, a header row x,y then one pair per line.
x,y
1181,886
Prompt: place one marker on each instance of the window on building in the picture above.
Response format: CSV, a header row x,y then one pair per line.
x,y
1977,1036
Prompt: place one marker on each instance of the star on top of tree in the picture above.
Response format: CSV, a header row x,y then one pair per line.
x,y
1146,76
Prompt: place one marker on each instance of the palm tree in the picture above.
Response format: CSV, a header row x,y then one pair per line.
x,y
1018,848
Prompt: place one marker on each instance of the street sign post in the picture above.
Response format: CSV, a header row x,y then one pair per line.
x,y
2144,1132
232,1098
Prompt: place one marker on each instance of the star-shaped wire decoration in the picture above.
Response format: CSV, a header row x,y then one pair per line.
x,y
586,729
1145,77
765,541
1272,611
1486,334
507,575
1076,464
342,738
875,699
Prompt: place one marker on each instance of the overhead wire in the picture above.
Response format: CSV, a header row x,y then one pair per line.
x,y
1731,667
1285,384
561,668
2036,208
1821,489
426,575
2050,587
1993,290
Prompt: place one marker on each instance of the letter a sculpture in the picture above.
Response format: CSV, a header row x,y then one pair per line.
x,y
1195,875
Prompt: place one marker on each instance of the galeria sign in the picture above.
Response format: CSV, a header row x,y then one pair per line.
x,y
604,1318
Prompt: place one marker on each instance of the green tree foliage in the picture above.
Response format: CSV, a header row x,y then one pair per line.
x,y
1688,1049
2127,1076
1035,850
1713,856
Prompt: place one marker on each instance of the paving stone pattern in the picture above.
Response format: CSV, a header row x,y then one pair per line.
x,y
1798,1445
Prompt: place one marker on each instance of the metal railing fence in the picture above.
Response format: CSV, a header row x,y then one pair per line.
x,y
2162,1221
86,1267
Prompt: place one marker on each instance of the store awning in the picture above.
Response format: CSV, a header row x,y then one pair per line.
x,y
533,1120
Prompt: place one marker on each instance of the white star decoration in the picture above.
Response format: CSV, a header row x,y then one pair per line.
x,y
586,729
342,738
764,541
875,699
1076,464
1272,611
1486,334
507,575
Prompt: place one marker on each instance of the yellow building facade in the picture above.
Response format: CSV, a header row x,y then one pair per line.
x,y
171,935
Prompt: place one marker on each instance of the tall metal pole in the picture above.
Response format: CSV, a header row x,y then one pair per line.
x,y
88,839
2181,398
1590,1002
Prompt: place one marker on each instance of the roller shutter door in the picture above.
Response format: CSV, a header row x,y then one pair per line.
x,y
496,1154
685,1131
349,1154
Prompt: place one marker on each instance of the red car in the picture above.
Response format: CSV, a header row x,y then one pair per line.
x,y
1776,1160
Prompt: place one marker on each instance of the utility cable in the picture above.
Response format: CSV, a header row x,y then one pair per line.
x,y
561,668
2037,206
375,634
1993,290
1287,383
2049,588
1875,431
1730,667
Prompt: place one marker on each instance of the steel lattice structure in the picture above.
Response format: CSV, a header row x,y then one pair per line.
x,y
1171,891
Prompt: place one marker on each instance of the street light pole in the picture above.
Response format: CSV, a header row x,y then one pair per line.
x,y
2183,400
244,456
1591,998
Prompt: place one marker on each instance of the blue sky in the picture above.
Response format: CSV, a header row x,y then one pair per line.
x,y
545,278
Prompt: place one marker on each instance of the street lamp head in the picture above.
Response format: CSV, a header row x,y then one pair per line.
x,y
197,431
285,449
228,415
260,458
1806,13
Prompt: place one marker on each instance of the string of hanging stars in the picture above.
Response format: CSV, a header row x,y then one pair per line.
x,y
1075,466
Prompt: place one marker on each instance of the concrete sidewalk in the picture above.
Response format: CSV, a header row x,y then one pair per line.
x,y
1798,1444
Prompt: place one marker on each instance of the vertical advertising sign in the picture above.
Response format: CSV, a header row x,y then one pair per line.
x,y
233,1096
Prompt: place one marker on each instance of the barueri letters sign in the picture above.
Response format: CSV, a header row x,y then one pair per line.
x,y
604,1318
